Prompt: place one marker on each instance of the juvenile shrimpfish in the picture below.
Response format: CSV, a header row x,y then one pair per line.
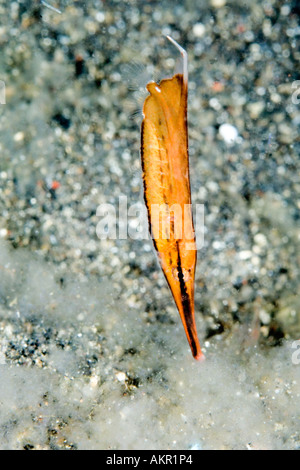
x,y
165,165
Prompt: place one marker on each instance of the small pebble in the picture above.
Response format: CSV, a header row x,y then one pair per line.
x,y
244,255
19,137
199,30
228,133
218,3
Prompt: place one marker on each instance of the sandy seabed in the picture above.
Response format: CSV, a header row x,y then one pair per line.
x,y
92,351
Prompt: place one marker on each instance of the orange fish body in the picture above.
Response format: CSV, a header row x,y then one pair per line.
x,y
165,164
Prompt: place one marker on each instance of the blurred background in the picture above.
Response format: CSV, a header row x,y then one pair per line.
x,y
91,343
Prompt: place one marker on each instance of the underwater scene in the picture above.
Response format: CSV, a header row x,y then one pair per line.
x,y
149,225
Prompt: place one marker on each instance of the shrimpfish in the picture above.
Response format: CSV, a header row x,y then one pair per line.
x,y
167,194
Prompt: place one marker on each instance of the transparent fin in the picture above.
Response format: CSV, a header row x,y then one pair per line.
x,y
184,59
